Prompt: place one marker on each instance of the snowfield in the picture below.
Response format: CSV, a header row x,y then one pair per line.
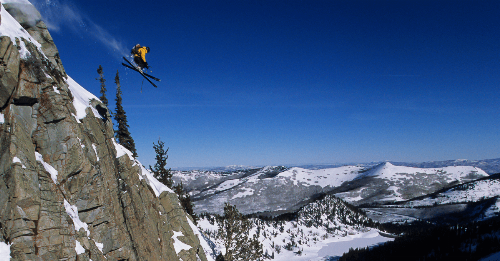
x,y
470,192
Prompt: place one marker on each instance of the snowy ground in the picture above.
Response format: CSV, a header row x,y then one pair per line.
x,y
335,246
311,243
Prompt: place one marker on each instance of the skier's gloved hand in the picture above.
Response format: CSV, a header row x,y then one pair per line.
x,y
146,65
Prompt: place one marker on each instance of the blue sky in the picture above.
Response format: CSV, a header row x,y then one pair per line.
x,y
294,82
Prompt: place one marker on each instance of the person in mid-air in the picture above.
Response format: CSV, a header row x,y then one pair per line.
x,y
139,53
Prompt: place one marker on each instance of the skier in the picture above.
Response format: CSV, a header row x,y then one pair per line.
x,y
139,53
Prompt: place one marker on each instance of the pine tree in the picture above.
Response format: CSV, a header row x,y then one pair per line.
x,y
122,134
220,257
103,86
234,230
185,200
160,172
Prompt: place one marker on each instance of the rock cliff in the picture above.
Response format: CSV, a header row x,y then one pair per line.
x,y
67,190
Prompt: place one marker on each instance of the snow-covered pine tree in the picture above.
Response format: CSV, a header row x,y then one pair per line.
x,y
122,134
103,86
160,172
234,231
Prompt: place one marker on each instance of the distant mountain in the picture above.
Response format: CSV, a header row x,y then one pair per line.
x,y
276,190
490,166
390,183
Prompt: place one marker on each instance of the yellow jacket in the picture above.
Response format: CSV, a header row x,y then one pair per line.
x,y
141,52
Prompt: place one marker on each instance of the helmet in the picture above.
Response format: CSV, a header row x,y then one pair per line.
x,y
147,49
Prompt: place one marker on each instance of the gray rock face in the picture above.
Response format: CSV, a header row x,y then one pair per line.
x,y
64,193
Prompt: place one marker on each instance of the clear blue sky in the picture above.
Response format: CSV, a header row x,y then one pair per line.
x,y
256,82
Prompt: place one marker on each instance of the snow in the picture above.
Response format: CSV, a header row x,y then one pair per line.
x,y
78,248
4,251
95,149
81,99
120,151
228,184
2,118
72,211
469,192
244,193
493,210
55,89
16,2
452,173
53,172
332,177
10,27
203,242
178,245
100,246
17,160
338,248
157,186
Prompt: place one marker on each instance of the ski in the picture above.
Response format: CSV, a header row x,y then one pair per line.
x,y
150,76
139,71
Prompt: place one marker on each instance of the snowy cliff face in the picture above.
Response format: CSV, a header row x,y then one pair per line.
x,y
67,190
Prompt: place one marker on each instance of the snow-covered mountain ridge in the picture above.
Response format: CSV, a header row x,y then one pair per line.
x,y
276,190
310,235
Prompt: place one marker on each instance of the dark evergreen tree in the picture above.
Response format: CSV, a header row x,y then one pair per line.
x,y
160,172
185,200
122,134
103,86
234,230
220,257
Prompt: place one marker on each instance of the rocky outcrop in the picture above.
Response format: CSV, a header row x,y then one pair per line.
x,y
67,190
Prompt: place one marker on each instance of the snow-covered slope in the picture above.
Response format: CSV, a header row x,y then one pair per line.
x,y
268,189
327,227
465,193
388,183
278,189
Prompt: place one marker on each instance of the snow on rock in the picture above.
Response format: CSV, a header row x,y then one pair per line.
x,y
53,172
10,27
17,160
95,150
78,248
178,245
72,211
100,246
206,247
81,99
4,251
157,186
2,118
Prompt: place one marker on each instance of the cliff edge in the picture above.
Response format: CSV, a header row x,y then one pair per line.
x,y
67,190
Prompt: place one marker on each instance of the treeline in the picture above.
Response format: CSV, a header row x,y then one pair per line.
x,y
124,138
424,241
297,230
